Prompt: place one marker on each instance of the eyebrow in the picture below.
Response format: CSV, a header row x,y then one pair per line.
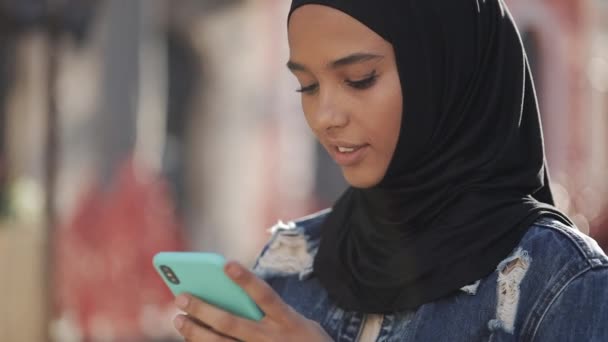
x,y
344,61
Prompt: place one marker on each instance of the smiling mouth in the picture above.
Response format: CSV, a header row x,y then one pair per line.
x,y
346,149
348,155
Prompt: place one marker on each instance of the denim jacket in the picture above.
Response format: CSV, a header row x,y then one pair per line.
x,y
552,287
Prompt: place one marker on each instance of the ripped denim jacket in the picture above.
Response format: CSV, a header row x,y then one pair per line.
x,y
553,287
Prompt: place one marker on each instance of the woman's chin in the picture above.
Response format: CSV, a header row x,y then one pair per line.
x,y
360,179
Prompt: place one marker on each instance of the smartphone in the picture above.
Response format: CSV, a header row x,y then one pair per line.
x,y
202,275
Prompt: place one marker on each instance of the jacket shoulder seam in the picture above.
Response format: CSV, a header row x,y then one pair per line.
x,y
593,257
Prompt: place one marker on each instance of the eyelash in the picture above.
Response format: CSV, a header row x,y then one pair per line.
x,y
363,84
308,89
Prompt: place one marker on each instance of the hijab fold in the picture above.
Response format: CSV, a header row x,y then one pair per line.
x,y
468,175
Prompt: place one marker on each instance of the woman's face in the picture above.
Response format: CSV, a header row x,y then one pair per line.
x,y
350,88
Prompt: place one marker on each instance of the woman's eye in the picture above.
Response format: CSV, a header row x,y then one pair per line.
x,y
308,89
364,83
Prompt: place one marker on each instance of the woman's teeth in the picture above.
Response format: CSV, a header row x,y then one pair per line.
x,y
345,149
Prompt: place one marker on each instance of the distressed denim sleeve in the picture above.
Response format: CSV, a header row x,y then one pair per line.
x,y
289,252
579,312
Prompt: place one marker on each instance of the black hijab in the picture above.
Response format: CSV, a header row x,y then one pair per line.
x,y
468,176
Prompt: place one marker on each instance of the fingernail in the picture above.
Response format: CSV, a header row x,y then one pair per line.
x,y
178,322
181,301
234,270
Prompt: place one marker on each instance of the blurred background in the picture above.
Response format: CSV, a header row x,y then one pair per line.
x,y
128,127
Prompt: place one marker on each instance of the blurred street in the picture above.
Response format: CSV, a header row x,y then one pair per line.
x,y
129,127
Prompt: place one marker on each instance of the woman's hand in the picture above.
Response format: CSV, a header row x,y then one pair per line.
x,y
205,322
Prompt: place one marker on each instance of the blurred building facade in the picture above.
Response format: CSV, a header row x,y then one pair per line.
x,y
567,44
184,114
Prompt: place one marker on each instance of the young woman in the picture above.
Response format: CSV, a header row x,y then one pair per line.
x,y
448,231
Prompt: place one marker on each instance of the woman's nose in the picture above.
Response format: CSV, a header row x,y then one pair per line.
x,y
332,112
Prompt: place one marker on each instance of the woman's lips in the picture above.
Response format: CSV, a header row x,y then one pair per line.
x,y
348,155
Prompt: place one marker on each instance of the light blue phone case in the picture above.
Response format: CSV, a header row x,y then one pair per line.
x,y
202,275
